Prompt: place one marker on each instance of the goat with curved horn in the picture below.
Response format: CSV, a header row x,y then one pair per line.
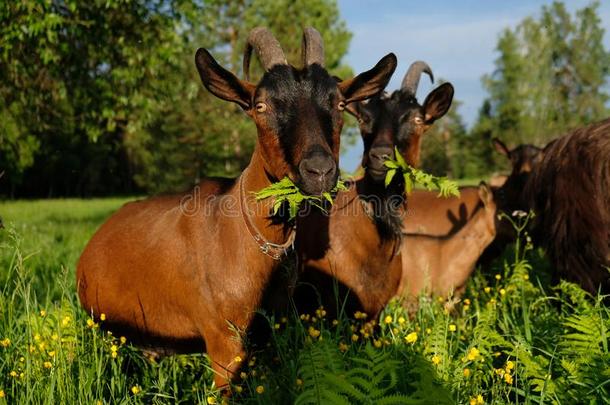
x,y
411,79
267,48
312,50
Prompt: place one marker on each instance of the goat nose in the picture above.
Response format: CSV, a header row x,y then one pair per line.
x,y
318,166
381,153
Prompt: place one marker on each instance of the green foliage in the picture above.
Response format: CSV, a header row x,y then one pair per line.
x,y
519,341
285,192
412,176
371,378
550,77
103,97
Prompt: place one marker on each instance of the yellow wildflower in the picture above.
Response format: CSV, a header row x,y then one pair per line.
x,y
299,382
65,321
498,277
480,400
335,322
411,337
436,359
487,289
123,340
90,323
401,320
243,375
102,316
2,395
466,307
13,373
428,331
37,337
47,364
466,301
51,353
377,343
526,277
508,378
21,375
6,342
135,390
313,332
238,389
211,400
473,401
473,354
343,347
114,355
452,328
466,372
260,389
354,338
502,291
238,359
509,365
388,319
43,312
276,326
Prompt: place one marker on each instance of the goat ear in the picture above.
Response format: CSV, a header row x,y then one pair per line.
x,y
438,102
501,147
485,194
369,83
222,83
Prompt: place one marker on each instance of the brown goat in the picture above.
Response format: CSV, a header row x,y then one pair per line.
x,y
187,272
441,264
567,184
356,247
431,215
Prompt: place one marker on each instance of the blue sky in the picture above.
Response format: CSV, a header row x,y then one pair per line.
x,y
457,39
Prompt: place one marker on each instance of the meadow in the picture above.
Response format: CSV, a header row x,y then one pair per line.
x,y
512,338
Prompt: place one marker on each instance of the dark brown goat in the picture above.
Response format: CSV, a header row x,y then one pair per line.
x,y
358,243
567,184
187,272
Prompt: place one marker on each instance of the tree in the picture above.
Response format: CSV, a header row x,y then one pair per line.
x,y
550,77
103,97
202,135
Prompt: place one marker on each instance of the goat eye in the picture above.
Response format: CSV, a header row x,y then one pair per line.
x,y
341,105
418,120
261,107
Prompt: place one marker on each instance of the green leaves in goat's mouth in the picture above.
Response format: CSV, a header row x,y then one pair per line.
x,y
285,191
412,176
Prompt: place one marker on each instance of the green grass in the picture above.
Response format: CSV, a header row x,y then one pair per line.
x,y
512,339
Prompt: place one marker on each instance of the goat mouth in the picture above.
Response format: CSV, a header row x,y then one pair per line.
x,y
376,172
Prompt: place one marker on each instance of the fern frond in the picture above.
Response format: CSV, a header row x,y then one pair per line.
x,y
286,192
412,176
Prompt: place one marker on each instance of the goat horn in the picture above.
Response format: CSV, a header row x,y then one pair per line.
x,y
312,49
411,79
267,48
